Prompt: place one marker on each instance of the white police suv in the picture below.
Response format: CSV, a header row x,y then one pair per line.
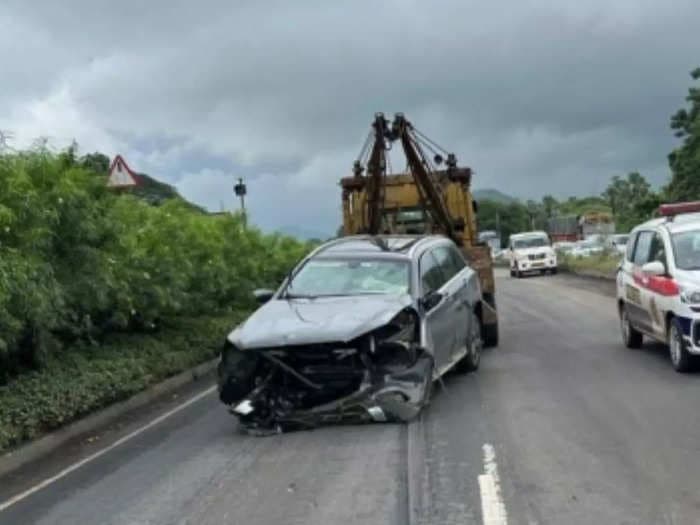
x,y
658,283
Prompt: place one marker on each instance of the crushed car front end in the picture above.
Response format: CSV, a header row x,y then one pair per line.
x,y
382,374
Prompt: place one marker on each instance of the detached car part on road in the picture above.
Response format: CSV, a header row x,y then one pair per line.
x,y
357,332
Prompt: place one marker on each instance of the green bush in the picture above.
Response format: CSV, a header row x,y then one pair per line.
x,y
79,262
603,265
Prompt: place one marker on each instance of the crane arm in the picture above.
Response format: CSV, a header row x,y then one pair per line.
x,y
429,191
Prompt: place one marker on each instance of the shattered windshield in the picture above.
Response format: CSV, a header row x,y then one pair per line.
x,y
686,246
351,276
530,242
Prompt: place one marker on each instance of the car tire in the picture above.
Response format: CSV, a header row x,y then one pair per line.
x,y
489,334
553,271
681,359
631,337
518,274
512,272
470,362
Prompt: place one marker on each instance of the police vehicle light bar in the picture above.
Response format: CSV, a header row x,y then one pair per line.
x,y
670,210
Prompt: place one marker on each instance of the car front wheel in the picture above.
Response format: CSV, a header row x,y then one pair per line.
x,y
678,349
631,337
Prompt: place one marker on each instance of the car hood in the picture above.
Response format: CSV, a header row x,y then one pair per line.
x,y
688,278
282,322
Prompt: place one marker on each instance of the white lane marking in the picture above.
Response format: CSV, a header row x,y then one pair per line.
x,y
75,466
493,510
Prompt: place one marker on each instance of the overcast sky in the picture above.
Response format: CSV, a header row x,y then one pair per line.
x,y
537,97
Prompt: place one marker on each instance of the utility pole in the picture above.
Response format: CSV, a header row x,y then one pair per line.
x,y
240,190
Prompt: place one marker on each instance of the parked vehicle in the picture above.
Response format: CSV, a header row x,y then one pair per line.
x,y
658,284
531,252
587,248
617,243
574,228
563,247
357,332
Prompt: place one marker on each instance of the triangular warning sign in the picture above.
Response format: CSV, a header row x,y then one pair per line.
x,y
120,175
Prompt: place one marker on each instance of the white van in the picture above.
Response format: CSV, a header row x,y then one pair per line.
x,y
531,252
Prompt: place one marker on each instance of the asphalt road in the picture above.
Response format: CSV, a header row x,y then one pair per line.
x,y
574,428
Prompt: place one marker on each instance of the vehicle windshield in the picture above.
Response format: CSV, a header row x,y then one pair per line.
x,y
351,276
686,247
530,242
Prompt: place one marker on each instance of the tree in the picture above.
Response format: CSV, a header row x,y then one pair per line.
x,y
549,204
631,200
96,162
685,160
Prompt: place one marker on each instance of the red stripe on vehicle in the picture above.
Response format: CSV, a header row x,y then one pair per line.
x,y
661,285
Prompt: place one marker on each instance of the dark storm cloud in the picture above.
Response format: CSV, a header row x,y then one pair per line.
x,y
536,96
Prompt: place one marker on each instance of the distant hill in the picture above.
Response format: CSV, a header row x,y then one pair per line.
x,y
493,195
156,192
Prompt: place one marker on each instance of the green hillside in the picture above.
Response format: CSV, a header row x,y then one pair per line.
x,y
493,195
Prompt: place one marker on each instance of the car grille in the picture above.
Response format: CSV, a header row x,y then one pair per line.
x,y
536,256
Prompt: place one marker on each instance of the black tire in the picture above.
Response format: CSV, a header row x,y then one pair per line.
x,y
512,272
489,334
630,336
470,362
518,274
681,359
554,271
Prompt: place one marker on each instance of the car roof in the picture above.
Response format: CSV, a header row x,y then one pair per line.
x,y
395,246
678,223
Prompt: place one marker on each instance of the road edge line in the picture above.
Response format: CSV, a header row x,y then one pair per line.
x,y
95,455
33,450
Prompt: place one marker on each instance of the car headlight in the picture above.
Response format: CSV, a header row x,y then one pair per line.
x,y
690,295
394,346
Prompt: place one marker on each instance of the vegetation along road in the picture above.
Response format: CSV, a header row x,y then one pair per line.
x,y
562,424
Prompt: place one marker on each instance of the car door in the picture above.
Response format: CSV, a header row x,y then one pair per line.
x,y
455,290
636,282
655,290
437,317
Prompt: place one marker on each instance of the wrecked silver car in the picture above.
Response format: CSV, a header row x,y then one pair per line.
x,y
357,332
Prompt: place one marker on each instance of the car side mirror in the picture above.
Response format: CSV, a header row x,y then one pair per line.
x,y
431,300
263,295
655,268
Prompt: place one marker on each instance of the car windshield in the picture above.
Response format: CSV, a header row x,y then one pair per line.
x,y
351,276
530,242
686,247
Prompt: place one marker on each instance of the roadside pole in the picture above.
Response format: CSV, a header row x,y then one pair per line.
x,y
240,190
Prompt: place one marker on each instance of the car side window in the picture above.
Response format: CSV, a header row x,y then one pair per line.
x,y
630,247
457,259
642,251
658,250
431,276
447,262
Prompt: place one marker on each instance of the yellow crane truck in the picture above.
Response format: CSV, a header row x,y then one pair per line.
x,y
422,200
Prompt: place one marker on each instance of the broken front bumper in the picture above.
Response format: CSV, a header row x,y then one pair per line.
x,y
273,394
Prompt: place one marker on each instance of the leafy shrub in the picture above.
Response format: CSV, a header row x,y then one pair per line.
x,y
78,262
